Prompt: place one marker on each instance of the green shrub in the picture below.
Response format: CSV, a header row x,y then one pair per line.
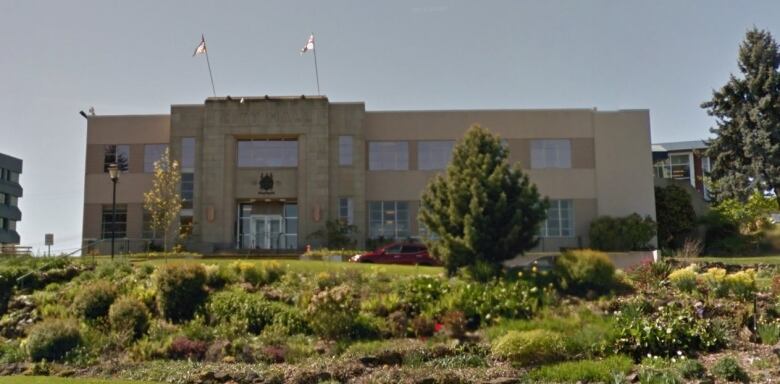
x,y
129,315
423,326
538,346
93,301
11,352
684,279
257,274
6,290
630,233
51,339
666,330
493,301
727,368
715,281
769,332
588,371
332,312
581,271
180,290
675,214
419,293
250,312
218,276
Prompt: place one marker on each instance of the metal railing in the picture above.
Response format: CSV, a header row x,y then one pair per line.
x,y
15,250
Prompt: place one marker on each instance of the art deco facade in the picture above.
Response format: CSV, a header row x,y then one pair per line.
x,y
266,172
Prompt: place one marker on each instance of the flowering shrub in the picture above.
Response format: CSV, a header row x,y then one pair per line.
x,y
582,271
332,312
184,348
684,279
420,292
94,300
714,280
492,301
741,284
666,330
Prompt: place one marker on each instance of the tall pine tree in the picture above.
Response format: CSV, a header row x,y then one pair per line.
x,y
745,153
483,210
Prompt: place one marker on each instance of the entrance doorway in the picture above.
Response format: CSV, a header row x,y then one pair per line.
x,y
266,231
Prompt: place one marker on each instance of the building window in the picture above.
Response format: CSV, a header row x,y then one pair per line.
x,y
388,155
268,153
388,219
676,167
290,212
116,154
433,155
146,230
121,221
345,150
560,219
2,224
152,154
346,213
187,190
551,153
12,201
188,154
2,199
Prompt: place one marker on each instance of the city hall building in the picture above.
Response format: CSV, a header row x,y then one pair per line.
x,y
262,173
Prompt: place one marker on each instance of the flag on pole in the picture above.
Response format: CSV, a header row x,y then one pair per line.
x,y
308,47
201,48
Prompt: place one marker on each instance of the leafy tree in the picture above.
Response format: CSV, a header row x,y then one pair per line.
x,y
163,201
750,216
482,209
337,234
675,214
746,149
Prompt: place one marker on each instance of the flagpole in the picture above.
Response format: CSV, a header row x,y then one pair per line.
x,y
316,71
210,75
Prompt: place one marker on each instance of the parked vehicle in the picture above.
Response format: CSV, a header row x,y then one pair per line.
x,y
398,253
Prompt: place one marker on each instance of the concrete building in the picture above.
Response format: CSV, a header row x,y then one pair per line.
x,y
10,192
683,161
266,172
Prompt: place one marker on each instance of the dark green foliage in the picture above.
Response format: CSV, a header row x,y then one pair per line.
x,y
492,301
482,209
420,292
181,290
52,339
678,370
129,315
253,313
616,234
584,271
93,301
722,236
675,215
728,368
337,234
746,150
6,290
587,371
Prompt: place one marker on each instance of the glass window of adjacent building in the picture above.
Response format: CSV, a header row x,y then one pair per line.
x,y
121,221
267,153
290,212
152,154
146,227
388,155
2,199
116,154
346,213
388,219
12,201
345,150
560,219
14,177
187,154
434,155
680,166
551,153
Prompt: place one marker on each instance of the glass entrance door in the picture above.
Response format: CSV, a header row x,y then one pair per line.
x,y
266,231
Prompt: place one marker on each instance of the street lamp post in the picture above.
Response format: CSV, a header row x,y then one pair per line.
x,y
113,173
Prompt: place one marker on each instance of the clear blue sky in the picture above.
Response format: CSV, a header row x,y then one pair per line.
x,y
127,57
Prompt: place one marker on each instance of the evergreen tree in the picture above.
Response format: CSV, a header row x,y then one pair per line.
x,y
163,201
745,153
482,210
675,214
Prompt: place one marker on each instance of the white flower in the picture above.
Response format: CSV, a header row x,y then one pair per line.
x,y
649,356
679,353
674,360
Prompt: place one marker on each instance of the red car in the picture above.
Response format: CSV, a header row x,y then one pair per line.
x,y
398,253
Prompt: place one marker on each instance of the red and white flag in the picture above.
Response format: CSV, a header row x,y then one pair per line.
x,y
309,45
201,47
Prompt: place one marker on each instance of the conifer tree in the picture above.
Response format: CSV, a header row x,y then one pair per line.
x,y
163,201
482,210
745,153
